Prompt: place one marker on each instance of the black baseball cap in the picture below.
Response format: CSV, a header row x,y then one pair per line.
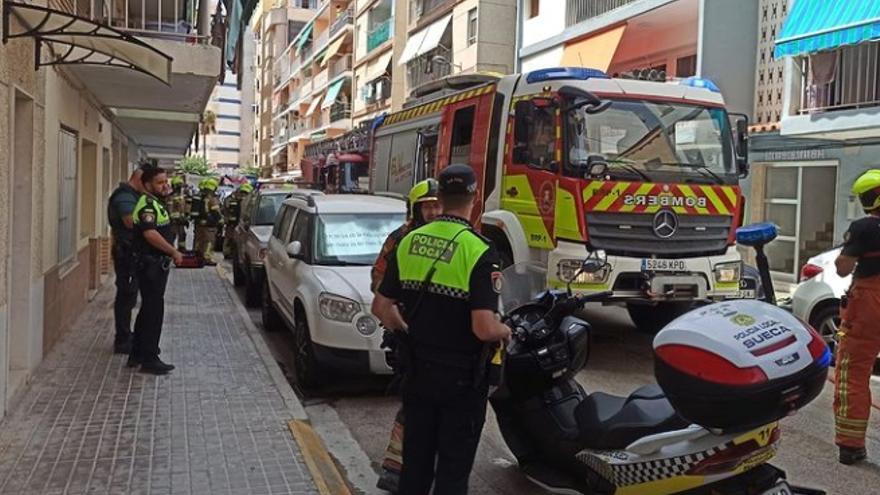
x,y
457,179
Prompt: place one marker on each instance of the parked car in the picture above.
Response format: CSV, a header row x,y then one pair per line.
x,y
317,282
817,297
252,240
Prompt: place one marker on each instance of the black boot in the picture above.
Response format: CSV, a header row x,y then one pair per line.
x,y
156,367
122,345
133,361
852,455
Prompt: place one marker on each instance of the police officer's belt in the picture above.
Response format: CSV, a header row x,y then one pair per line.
x,y
435,355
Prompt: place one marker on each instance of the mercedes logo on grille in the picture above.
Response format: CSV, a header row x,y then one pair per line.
x,y
665,224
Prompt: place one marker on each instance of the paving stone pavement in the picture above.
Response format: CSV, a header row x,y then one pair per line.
x,y
216,425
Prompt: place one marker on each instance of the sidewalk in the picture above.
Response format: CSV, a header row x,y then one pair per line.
x,y
218,424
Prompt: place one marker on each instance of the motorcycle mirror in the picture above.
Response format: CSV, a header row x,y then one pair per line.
x,y
592,266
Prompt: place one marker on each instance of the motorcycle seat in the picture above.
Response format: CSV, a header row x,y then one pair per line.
x,y
610,422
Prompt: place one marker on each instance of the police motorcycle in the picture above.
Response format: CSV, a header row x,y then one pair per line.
x,y
726,373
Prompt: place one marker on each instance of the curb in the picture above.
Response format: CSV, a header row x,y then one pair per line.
x,y
287,394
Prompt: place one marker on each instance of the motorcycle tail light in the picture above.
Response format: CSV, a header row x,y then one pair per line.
x,y
708,366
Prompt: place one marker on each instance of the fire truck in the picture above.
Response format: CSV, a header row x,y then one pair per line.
x,y
570,163
341,164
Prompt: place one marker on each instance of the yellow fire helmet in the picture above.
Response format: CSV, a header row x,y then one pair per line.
x,y
867,188
177,180
425,190
208,185
246,188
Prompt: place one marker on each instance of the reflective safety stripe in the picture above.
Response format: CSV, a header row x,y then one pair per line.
x,y
162,217
418,251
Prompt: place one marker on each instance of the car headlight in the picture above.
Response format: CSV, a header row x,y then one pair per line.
x,y
338,308
366,325
566,269
728,272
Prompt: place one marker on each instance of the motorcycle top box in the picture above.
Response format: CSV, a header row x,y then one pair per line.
x,y
739,364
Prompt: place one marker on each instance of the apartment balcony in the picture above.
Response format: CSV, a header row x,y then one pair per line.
x,y
379,34
161,117
346,18
340,66
321,41
839,94
340,111
430,67
422,8
321,79
577,11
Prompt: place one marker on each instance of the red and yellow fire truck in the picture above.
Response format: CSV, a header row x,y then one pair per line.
x,y
570,162
339,165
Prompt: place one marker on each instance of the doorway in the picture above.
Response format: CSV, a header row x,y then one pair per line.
x,y
20,351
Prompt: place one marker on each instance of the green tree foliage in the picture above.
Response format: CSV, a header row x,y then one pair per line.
x,y
194,164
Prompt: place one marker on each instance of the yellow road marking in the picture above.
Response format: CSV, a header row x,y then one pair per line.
x,y
327,478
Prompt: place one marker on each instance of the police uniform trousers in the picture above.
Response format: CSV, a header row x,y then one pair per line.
x,y
126,290
152,276
859,345
445,414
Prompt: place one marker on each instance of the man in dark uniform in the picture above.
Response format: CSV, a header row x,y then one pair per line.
x,y
154,252
119,214
859,332
447,279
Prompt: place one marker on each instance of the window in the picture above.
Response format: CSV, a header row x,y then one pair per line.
x,y
472,26
67,144
265,212
686,66
353,239
462,133
282,222
534,8
535,136
300,233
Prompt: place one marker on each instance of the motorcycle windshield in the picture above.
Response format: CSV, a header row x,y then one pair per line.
x,y
521,283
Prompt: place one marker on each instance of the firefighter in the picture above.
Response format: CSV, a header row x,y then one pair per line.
x,y
423,207
207,218
859,335
447,279
179,205
231,215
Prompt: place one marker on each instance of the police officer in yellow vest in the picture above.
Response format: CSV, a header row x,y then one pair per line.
x,y
154,254
446,278
179,206
207,218
231,215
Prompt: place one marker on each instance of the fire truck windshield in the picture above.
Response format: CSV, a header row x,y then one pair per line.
x,y
654,141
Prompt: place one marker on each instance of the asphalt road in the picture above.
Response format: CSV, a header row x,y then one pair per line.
x,y
356,408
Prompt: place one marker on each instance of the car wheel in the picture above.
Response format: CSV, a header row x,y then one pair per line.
x,y
271,319
252,289
651,319
237,273
826,321
305,365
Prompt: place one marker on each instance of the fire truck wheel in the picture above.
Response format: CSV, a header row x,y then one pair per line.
x,y
651,319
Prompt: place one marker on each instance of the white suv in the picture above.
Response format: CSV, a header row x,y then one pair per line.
x,y
318,266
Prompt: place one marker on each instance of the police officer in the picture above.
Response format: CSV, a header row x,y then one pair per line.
x,y
179,210
154,253
423,207
447,279
231,215
207,217
859,335
120,208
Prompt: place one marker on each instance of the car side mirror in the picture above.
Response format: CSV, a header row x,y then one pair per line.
x,y
741,144
294,250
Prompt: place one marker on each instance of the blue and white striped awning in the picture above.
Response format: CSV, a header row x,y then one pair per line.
x,y
816,25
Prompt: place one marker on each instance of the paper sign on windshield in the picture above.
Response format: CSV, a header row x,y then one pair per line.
x,y
352,239
686,132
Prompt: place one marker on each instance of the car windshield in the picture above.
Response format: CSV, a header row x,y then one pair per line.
x,y
268,207
353,239
655,141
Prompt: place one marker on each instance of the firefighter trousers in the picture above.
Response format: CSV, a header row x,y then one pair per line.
x,y
179,230
856,353
204,241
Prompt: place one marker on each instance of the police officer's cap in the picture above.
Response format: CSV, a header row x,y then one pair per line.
x,y
458,179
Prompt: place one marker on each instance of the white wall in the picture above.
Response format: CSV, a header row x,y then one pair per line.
x,y
549,22
547,58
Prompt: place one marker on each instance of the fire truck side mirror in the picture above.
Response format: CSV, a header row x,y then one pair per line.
x,y
741,142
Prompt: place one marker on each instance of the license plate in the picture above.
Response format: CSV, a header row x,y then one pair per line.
x,y
781,488
660,265
748,288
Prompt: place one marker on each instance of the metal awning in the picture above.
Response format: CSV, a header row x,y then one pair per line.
x,y
378,67
332,50
332,93
595,52
816,25
313,106
425,40
75,40
303,35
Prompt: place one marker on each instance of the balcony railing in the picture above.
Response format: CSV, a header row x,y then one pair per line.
x,y
380,34
345,19
340,65
321,41
340,111
421,8
577,11
321,78
854,79
146,18
429,67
